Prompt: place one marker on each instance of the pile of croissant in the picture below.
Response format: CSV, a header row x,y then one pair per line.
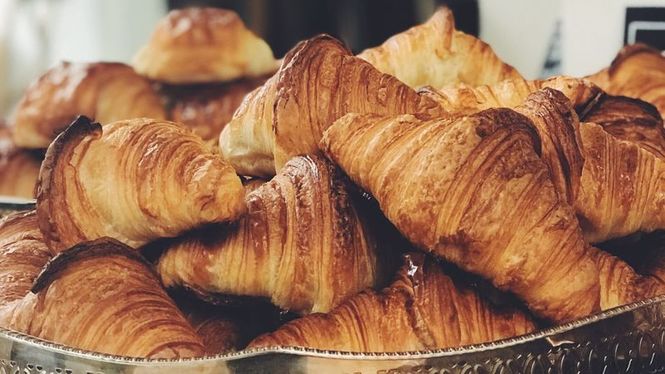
x,y
419,195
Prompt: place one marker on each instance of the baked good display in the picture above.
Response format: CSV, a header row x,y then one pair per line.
x,y
103,91
196,45
135,180
517,204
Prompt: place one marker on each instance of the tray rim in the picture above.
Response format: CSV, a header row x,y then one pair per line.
x,y
337,355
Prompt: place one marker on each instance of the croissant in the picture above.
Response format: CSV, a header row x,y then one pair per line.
x,y
318,82
135,181
630,119
22,255
207,108
302,244
104,91
620,284
466,99
19,168
637,71
103,297
644,252
474,191
423,309
196,45
436,54
613,185
219,332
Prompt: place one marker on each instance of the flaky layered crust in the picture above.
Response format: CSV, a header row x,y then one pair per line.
x,y
196,45
103,91
620,284
207,108
637,71
302,244
629,119
423,309
490,206
318,82
101,296
436,54
19,168
622,187
135,181
23,254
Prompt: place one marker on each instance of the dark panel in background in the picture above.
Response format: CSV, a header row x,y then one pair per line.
x,y
360,23
645,25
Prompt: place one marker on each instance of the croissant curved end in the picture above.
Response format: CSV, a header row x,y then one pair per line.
x,y
81,127
95,248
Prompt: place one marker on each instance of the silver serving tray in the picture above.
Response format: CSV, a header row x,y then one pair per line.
x,y
628,339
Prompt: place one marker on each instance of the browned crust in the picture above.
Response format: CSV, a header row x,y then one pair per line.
x,y
46,184
102,247
495,119
629,51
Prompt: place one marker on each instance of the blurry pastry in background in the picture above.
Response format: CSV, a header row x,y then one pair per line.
x,y
135,180
102,296
202,45
19,168
103,91
637,71
207,108
436,54
23,254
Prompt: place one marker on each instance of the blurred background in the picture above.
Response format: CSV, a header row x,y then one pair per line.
x,y
538,37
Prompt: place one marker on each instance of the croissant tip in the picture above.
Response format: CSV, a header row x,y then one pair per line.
x,y
95,248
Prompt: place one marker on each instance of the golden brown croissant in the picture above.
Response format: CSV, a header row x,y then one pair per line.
x,y
620,284
423,309
196,45
629,119
101,296
103,91
219,332
135,181
637,71
611,195
19,168
207,108
23,254
436,54
474,191
302,244
318,82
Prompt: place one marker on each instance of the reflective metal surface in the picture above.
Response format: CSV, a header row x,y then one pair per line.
x,y
629,339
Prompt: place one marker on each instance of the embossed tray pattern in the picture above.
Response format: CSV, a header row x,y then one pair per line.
x,y
629,339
